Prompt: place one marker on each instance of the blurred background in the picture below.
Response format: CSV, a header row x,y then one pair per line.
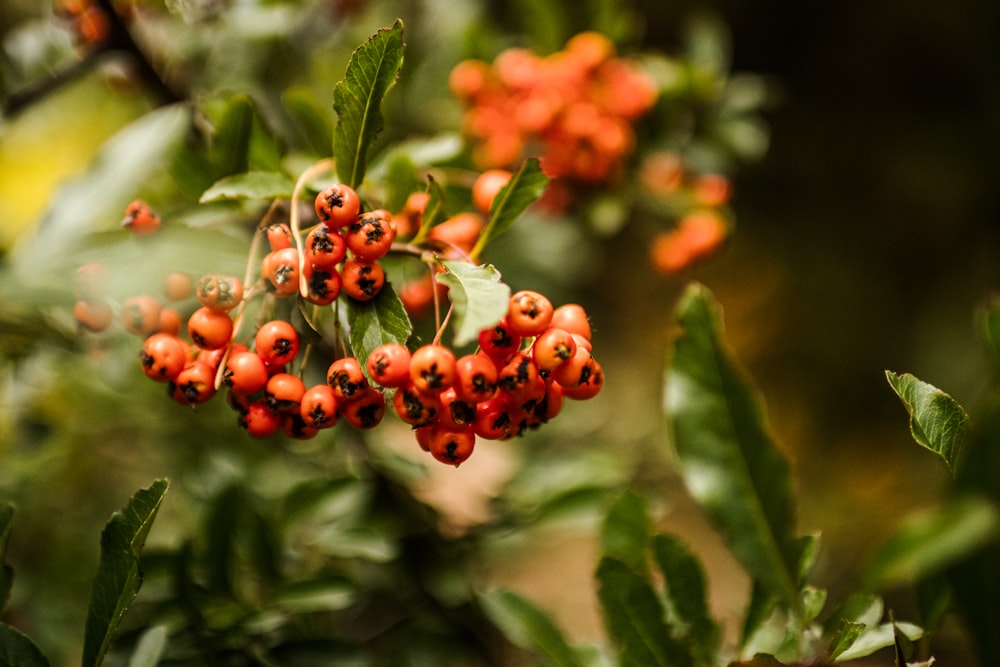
x,y
865,239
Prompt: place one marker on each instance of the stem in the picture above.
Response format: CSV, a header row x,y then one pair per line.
x,y
444,325
321,166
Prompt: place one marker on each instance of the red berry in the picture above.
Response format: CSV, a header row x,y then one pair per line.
x,y
194,384
281,268
245,373
529,313
371,235
414,407
452,446
389,365
573,318
551,348
366,409
346,379
140,315
221,293
486,186
163,357
283,392
322,285
475,378
259,420
499,342
319,406
338,205
362,280
210,329
325,248
140,219
94,316
277,342
432,368
279,236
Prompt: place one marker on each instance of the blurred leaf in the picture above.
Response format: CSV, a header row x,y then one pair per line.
x,y
544,21
615,18
931,541
24,329
238,142
813,601
434,212
634,618
372,323
759,610
119,574
728,459
877,638
96,200
17,650
400,180
359,542
937,421
625,531
6,571
860,608
371,72
759,660
149,648
933,601
250,185
306,597
843,638
478,295
975,584
528,627
525,186
902,646
311,118
685,587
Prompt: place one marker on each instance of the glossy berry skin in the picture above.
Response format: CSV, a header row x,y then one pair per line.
x,y
140,219
194,384
500,341
210,329
245,373
140,315
455,413
416,408
220,293
337,205
475,378
366,409
325,248
281,268
432,368
319,407
371,235
279,236
295,427
493,419
346,379
389,365
283,392
518,377
170,322
163,357
529,313
573,318
259,420
451,446
591,381
551,348
423,436
277,342
362,280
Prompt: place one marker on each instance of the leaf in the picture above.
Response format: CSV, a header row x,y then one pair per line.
x,y
843,638
357,98
634,618
119,575
727,457
478,295
528,627
525,186
372,323
250,185
877,638
434,212
6,571
625,531
149,648
684,580
937,421
17,650
931,541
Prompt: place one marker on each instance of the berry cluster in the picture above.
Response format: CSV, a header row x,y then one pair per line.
x,y
698,201
574,108
516,379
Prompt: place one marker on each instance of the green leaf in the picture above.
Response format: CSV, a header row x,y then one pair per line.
x,y
400,180
877,638
6,571
728,459
434,213
149,648
684,580
625,531
528,627
17,650
931,541
478,295
250,185
119,575
312,119
634,618
525,186
357,99
843,638
937,421
372,323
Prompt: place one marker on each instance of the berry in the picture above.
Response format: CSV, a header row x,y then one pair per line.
x,y
455,412
245,373
277,342
460,231
432,368
475,378
281,268
177,286
163,357
389,365
371,235
551,348
486,187
140,219
220,293
518,376
416,408
362,280
322,285
259,420
337,205
194,384
346,378
279,236
529,313
500,342
493,419
325,248
452,446
94,316
365,410
572,318
210,329
140,315
319,406
283,392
